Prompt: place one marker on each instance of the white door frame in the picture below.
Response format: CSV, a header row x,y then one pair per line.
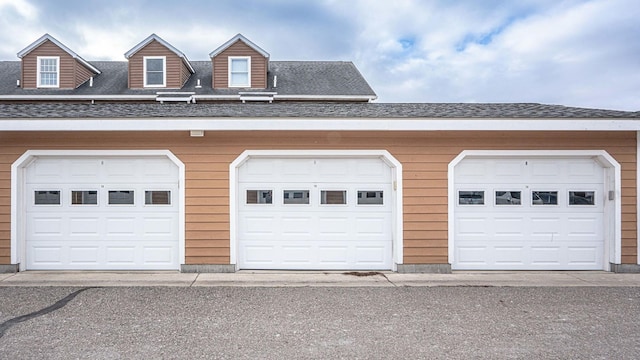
x,y
612,183
18,197
396,179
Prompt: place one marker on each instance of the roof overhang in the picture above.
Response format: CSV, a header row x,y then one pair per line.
x,y
316,124
274,95
157,38
235,39
48,37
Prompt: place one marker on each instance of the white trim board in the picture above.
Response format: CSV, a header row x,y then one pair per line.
x,y
18,168
315,124
613,212
396,178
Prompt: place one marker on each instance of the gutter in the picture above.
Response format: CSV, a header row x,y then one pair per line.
x,y
139,97
315,124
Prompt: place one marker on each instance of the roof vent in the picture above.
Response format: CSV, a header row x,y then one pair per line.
x,y
18,83
198,86
257,96
176,96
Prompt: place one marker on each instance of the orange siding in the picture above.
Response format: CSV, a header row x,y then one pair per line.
x,y
259,66
69,68
424,155
174,66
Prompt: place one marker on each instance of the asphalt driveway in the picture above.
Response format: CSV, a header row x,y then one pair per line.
x,y
320,322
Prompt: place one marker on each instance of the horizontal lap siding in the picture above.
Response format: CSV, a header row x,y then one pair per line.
x,y
67,66
425,158
82,74
174,66
259,66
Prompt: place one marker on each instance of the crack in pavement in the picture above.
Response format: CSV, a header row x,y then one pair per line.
x,y
57,305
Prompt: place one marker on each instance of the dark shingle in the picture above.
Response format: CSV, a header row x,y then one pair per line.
x,y
309,78
306,110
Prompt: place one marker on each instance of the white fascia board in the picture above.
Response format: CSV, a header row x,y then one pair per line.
x,y
62,46
326,97
77,97
314,124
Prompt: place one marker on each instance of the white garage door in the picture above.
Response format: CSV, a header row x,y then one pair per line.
x,y
529,214
101,213
314,214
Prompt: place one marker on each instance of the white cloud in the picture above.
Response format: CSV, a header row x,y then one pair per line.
x,y
572,52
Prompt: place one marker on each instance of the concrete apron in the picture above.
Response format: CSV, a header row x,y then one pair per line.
x,y
318,279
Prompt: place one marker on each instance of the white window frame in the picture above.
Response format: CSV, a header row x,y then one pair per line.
x,y
39,71
164,71
248,59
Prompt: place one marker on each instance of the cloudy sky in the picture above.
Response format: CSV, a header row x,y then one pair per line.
x,y
570,52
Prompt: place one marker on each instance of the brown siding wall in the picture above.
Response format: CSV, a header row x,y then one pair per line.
x,y
259,66
82,74
72,73
175,74
184,73
424,155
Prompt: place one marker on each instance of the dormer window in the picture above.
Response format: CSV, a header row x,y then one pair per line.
x,y
48,71
239,71
155,71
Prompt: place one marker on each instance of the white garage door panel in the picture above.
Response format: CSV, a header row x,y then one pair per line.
x,y
314,235
102,236
529,236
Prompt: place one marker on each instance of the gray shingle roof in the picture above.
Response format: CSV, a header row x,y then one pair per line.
x,y
307,78
306,110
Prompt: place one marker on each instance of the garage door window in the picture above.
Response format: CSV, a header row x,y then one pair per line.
x,y
370,197
295,197
259,196
333,197
508,198
157,197
121,197
47,197
544,198
84,197
471,197
582,197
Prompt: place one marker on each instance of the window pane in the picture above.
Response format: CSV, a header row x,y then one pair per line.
x,y
155,64
79,197
544,198
295,197
121,197
508,198
48,72
471,197
47,197
157,197
582,198
333,197
239,65
240,79
154,78
259,196
370,197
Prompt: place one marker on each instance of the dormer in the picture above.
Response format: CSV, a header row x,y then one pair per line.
x,y
156,64
49,64
240,64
